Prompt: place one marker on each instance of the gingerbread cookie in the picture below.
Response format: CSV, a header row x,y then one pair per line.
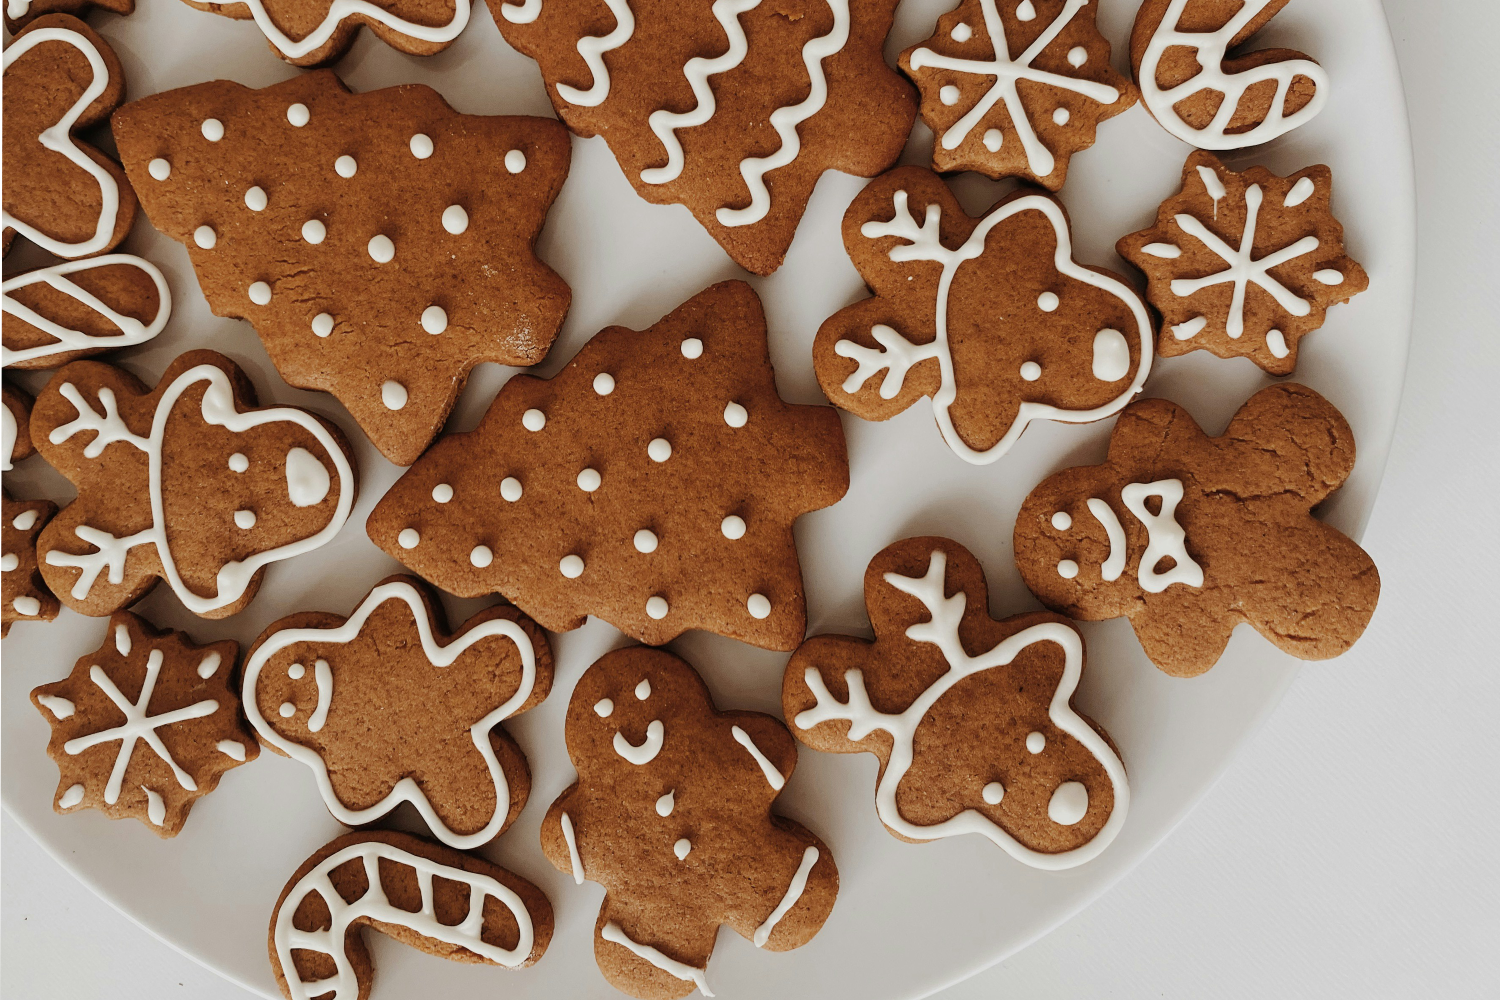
x,y
734,111
1189,535
62,194
653,482
15,429
1023,333
671,813
25,594
1244,264
19,13
1189,83
425,895
187,482
381,244
986,742
385,707
317,32
1014,89
58,314
157,692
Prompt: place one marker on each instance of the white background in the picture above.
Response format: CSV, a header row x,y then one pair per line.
x,y
1351,849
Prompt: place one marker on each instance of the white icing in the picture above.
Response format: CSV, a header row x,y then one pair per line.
x,y
992,793
1276,343
24,520
1035,742
442,493
260,293
649,748
571,840
296,671
692,348
1213,185
434,320
455,219
660,449
231,749
298,115
239,463
481,556
643,690
793,893
1061,116
1031,371
382,250
156,809
656,607
1077,56
323,678
159,169
1026,12
1166,251
774,777
1329,276
515,161
510,489
1069,803
645,541
759,606
993,139
735,415
408,538
961,32
212,129
1190,329
8,562
205,237
949,95
345,166
9,434
682,848
27,605
571,566
255,199
244,519
421,146
589,480
1114,563
733,527
1164,535
1300,192
672,967
62,708
314,232
1067,569
604,383
71,797
307,479
1111,356
393,394
132,330
209,665
1062,520
533,420
604,708
666,803
1047,302
287,710
592,49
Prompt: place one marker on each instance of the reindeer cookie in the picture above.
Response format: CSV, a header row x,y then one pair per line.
x,y
991,317
972,718
58,314
19,13
1189,535
187,482
318,32
386,708
25,594
145,726
671,813
433,898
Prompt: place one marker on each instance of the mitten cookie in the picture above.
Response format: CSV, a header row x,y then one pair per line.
x,y
985,743
1022,333
1015,89
1188,535
58,314
1179,54
25,595
187,482
652,482
152,691
318,32
381,244
671,813
733,110
425,895
1244,264
385,707
63,195
15,429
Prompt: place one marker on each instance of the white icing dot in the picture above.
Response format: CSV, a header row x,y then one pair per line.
x,y
515,161
28,606
993,793
298,115
949,95
733,527
1061,116
408,538
260,293
1111,356
571,567
345,166
1276,343
604,708
209,665
256,200
510,489
665,804
993,140
589,480
71,797
1031,371
1067,569
604,383
759,606
9,561
287,710
322,324
244,519
314,232
1062,520
643,690
961,32
205,237
656,607
1025,12
24,520
735,415
393,394
421,146
1329,276
480,556
159,169
434,319
1069,804
681,848
296,671
660,449
533,420
213,129
1047,302
692,348
1035,742
455,219
1300,192
1077,56
442,493
382,250
645,540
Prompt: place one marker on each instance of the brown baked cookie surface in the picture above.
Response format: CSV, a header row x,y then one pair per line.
x,y
733,110
989,316
433,898
187,482
146,725
80,308
317,32
15,429
381,244
25,595
20,13
1015,89
1179,53
1244,264
62,194
653,482
671,813
971,717
386,707
1189,535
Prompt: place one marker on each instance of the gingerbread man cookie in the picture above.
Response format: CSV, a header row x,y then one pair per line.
x,y
20,13
317,32
381,244
1022,333
1244,264
15,429
433,898
1013,88
653,482
1189,535
152,691
187,482
386,708
62,194
984,742
733,110
671,813
25,595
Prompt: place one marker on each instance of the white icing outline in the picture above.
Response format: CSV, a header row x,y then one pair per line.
x,y
793,893
132,330
592,49
774,777
672,967
340,10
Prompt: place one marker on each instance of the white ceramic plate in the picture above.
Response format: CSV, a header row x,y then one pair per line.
x,y
910,919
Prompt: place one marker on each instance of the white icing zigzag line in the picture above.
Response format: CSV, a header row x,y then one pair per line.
x,y
666,123
923,243
670,966
942,631
374,905
405,790
340,10
1211,48
218,409
132,330
592,49
59,140
1006,72
786,119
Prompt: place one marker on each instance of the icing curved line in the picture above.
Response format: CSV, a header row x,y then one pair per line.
x,y
522,13
670,966
592,49
1113,566
59,139
774,778
649,748
132,330
9,432
405,790
794,892
1164,536
323,679
340,10
572,841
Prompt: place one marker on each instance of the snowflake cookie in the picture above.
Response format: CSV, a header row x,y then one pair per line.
x,y
25,595
671,813
1013,88
430,897
1189,535
145,726
57,314
187,482
733,109
1024,332
1244,264
317,32
984,742
653,482
385,707
381,244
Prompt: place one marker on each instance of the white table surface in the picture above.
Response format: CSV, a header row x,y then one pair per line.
x,y
1352,849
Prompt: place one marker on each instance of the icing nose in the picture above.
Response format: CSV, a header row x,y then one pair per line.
x,y
1111,356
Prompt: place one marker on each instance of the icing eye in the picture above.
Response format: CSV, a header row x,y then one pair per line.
x,y
1035,742
993,793
1031,371
1062,520
993,140
643,690
1069,804
603,707
949,95
1111,356
1067,569
307,480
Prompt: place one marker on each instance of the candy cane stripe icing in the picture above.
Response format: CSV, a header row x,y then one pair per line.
x,y
56,277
